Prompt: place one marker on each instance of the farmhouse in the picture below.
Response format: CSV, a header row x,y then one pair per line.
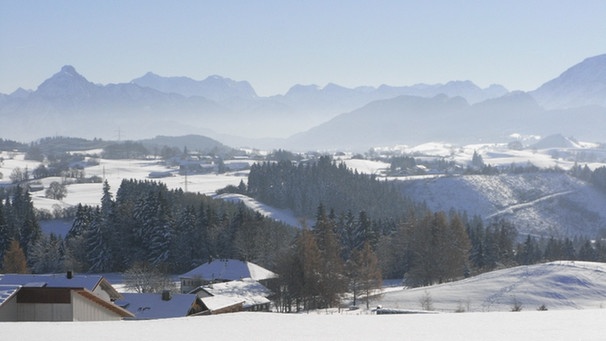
x,y
58,297
223,270
252,294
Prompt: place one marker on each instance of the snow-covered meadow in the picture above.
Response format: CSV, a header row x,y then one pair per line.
x,y
530,325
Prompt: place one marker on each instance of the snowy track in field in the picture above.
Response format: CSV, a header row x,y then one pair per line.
x,y
517,207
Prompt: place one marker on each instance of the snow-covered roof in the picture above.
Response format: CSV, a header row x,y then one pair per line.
x,y
152,306
247,290
229,270
214,303
88,282
7,291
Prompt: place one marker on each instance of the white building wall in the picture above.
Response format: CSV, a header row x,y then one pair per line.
x,y
102,293
8,310
44,312
86,310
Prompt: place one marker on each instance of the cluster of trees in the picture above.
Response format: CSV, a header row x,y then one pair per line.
x,y
20,232
11,145
302,187
597,177
145,224
535,250
320,266
59,145
433,248
151,224
125,150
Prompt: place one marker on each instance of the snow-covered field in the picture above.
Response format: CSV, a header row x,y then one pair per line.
x,y
531,325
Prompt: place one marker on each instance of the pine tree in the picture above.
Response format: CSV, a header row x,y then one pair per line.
x,y
458,245
5,235
153,228
529,252
47,255
97,243
364,273
332,281
183,243
308,259
23,219
14,260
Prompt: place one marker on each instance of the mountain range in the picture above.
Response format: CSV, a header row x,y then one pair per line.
x,y
307,116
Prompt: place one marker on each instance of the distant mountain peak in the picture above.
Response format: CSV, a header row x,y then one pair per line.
x,y
20,93
66,83
70,70
150,74
582,84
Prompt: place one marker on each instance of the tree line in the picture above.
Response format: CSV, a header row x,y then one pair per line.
x,y
301,187
144,223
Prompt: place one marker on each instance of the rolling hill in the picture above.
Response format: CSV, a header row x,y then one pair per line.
x,y
562,285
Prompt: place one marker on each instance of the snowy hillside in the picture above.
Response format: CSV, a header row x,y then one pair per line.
x,y
542,203
557,285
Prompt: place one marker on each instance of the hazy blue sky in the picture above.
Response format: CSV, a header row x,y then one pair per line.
x,y
276,44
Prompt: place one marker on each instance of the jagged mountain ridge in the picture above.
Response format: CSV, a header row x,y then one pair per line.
x,y
214,87
68,104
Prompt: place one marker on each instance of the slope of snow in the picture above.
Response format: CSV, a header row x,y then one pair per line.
x,y
285,216
560,285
